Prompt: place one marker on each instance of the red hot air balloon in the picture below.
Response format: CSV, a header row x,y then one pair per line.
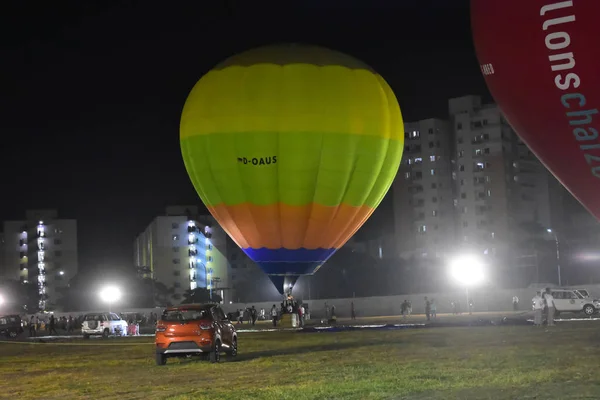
x,y
541,62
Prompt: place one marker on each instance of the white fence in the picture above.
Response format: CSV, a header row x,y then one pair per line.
x,y
483,300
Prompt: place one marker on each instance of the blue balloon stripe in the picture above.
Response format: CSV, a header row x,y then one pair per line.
x,y
282,255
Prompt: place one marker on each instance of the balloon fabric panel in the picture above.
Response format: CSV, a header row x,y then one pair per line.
x,y
542,70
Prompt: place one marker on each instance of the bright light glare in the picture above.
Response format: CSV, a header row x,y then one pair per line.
x,y
549,230
110,294
1,300
467,270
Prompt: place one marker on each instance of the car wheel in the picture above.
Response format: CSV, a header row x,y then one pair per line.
x,y
161,359
589,309
215,355
234,348
105,333
12,334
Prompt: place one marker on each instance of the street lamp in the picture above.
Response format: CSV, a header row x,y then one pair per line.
x,y
553,233
467,270
110,295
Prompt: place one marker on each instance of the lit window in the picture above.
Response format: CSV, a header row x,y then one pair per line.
x,y
175,237
477,152
489,193
455,202
434,213
418,160
407,175
414,134
423,228
432,158
432,171
493,235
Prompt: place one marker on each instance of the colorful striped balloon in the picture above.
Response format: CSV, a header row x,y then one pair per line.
x,y
291,148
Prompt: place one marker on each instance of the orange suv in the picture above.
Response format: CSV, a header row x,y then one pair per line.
x,y
194,329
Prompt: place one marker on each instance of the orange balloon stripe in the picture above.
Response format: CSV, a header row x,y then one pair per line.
x,y
276,226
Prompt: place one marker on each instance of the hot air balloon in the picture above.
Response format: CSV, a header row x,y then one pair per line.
x,y
291,148
541,60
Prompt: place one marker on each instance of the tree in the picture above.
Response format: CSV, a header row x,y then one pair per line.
x,y
199,296
22,296
162,294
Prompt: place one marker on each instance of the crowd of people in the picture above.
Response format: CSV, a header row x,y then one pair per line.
x,y
48,324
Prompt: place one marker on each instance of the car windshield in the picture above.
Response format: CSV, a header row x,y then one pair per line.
x,y
583,293
185,315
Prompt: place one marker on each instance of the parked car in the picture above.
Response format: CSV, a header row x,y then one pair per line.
x,y
103,324
194,329
11,326
574,301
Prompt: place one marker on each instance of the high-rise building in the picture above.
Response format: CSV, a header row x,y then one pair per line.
x,y
184,251
422,191
41,249
3,269
501,187
470,184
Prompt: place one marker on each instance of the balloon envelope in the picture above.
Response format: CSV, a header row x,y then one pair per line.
x,y
541,60
291,148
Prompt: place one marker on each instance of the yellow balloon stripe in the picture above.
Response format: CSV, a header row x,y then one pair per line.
x,y
292,98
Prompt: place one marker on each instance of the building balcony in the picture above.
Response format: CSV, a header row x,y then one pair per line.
x,y
192,228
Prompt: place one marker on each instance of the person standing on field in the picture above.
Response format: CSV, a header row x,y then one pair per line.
x,y
274,315
549,299
538,308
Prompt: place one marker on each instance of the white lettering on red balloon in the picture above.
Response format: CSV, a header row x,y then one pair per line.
x,y
559,16
487,69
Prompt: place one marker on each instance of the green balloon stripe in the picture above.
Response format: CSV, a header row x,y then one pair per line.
x,y
291,168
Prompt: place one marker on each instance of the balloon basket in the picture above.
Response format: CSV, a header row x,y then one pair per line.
x,y
288,321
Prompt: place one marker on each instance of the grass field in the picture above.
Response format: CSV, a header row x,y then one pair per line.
x,y
519,362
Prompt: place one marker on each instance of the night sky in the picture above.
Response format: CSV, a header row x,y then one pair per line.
x,y
91,94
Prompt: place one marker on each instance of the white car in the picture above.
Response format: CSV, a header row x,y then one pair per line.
x,y
103,324
575,301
